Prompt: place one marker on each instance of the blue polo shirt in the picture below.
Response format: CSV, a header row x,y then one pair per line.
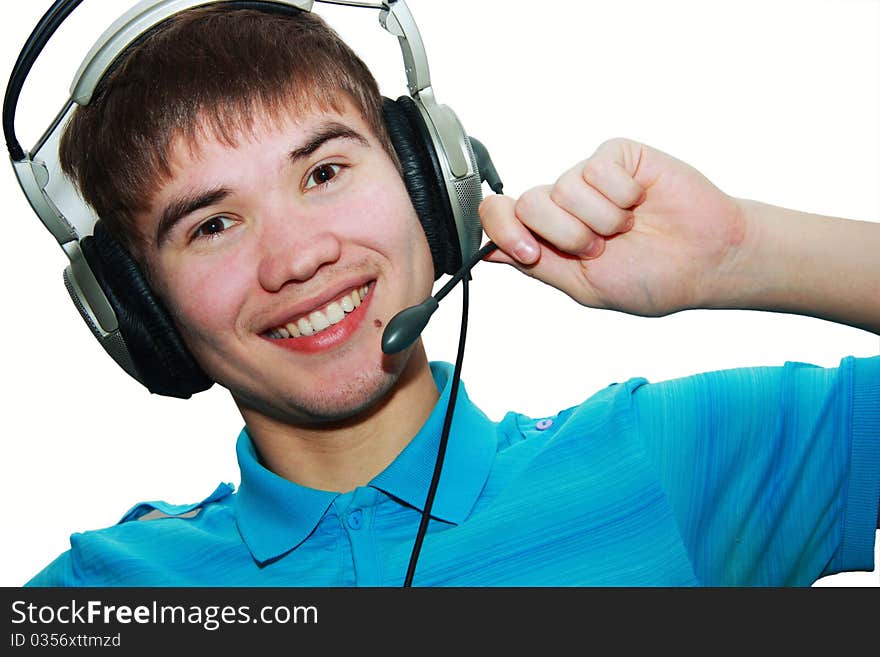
x,y
758,476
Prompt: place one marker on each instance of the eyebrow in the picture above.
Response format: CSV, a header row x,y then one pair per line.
x,y
178,209
181,207
324,133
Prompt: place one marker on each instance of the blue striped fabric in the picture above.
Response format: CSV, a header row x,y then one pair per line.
x,y
749,477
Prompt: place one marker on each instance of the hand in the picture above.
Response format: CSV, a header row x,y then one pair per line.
x,y
630,229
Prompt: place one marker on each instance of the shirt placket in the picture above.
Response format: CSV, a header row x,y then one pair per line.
x,y
356,511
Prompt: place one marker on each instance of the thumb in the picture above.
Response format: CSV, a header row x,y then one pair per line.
x,y
516,244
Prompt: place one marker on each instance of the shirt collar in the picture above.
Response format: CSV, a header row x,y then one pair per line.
x,y
275,515
466,464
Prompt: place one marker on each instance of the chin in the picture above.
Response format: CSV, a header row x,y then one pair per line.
x,y
351,398
342,399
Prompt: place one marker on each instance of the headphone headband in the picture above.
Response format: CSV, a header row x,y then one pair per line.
x,y
394,17
457,160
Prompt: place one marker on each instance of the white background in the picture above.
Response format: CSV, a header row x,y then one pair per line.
x,y
775,100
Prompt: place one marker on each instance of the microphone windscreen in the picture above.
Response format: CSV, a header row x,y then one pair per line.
x,y
407,325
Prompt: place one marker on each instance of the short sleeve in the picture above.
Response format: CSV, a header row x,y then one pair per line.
x,y
133,548
773,473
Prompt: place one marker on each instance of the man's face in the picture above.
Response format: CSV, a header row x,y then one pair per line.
x,y
303,229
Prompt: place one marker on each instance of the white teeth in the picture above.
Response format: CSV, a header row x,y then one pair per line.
x,y
305,327
321,319
335,314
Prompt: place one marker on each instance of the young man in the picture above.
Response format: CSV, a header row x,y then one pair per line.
x,y
759,476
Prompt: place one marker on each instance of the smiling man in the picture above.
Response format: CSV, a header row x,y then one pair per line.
x,y
282,273
281,236
256,185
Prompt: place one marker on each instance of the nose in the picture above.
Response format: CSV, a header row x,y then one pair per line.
x,y
293,250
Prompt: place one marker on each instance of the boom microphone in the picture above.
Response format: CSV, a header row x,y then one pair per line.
x,y
407,325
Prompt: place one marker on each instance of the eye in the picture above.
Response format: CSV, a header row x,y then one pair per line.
x,y
212,227
322,175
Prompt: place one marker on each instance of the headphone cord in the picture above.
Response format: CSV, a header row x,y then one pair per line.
x,y
444,437
41,34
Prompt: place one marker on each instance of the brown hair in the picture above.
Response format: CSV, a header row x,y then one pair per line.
x,y
208,68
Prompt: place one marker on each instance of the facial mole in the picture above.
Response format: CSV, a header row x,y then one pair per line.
x,y
377,323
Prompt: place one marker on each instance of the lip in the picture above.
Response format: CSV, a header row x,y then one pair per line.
x,y
330,337
317,302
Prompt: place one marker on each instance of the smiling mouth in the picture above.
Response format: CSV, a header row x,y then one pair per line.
x,y
322,319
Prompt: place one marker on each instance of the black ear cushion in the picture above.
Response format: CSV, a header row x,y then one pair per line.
x,y
163,361
424,181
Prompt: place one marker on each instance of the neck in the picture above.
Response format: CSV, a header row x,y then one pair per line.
x,y
342,456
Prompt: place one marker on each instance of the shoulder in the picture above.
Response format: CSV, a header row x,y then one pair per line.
x,y
158,510
149,533
601,418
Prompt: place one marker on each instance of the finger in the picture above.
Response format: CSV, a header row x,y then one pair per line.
x,y
498,216
501,257
608,176
536,210
580,199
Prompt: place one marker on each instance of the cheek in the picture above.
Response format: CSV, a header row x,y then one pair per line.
x,y
381,207
386,219
205,297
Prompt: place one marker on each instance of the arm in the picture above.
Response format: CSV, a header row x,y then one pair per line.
x,y
635,230
770,480
805,264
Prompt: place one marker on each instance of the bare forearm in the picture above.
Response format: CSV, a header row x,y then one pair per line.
x,y
806,264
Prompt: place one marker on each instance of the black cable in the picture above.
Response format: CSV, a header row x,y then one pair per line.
x,y
485,250
44,30
444,437
405,327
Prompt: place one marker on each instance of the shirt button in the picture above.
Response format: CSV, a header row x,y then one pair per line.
x,y
544,424
356,519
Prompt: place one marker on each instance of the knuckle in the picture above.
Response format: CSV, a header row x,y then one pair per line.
x,y
593,170
529,202
576,241
562,193
614,142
